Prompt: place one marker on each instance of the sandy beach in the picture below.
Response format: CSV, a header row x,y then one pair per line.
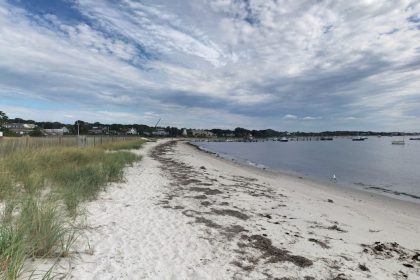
x,y
209,140
184,214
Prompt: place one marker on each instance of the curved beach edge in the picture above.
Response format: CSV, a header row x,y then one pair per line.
x,y
372,194
185,214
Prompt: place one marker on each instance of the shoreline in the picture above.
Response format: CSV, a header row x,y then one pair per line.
x,y
182,213
348,187
361,220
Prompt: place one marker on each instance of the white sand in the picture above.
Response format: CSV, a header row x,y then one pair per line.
x,y
154,226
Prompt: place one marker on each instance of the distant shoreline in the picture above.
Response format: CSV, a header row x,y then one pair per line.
x,y
380,193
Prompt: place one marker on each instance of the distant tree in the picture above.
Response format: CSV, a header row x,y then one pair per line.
x,y
221,132
241,132
36,132
50,125
83,127
3,118
173,131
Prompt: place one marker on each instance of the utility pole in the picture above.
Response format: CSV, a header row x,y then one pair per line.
x,y
78,133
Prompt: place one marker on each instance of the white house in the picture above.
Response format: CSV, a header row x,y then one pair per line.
x,y
202,133
20,128
160,132
184,132
56,131
132,131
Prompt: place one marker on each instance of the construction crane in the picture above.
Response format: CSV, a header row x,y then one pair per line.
x,y
157,123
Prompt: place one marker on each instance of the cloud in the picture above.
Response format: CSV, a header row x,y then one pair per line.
x,y
309,118
290,117
214,63
350,118
306,118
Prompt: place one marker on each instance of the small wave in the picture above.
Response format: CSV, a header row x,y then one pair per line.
x,y
255,164
394,192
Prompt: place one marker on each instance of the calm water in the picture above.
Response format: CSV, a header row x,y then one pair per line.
x,y
373,164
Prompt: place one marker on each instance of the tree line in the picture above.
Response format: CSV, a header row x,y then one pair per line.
x,y
84,128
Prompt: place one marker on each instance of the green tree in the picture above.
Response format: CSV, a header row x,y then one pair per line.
x,y
83,127
3,118
36,132
241,132
189,133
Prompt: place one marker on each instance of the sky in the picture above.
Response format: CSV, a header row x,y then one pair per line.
x,y
295,65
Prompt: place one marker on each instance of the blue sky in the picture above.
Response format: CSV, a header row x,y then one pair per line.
x,y
288,65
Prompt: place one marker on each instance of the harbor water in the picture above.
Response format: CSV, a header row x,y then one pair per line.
x,y
373,165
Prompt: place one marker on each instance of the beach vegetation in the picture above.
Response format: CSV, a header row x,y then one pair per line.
x,y
127,145
41,191
37,132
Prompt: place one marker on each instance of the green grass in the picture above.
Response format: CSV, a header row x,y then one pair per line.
x,y
40,229
42,191
9,145
74,174
6,183
128,145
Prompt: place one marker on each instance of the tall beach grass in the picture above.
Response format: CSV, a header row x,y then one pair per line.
x,y
40,194
10,145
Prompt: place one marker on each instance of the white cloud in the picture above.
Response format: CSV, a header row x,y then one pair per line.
x,y
290,117
252,63
309,118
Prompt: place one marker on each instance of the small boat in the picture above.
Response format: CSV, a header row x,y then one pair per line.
x,y
326,139
398,142
415,138
359,139
284,139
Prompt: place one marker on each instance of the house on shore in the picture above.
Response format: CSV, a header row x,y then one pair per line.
x,y
184,132
202,133
56,131
98,130
132,131
20,128
160,132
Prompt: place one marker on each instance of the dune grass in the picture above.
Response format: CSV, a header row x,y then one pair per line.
x,y
127,145
39,230
41,191
9,145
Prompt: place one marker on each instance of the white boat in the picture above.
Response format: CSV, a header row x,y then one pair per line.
x,y
398,142
284,139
